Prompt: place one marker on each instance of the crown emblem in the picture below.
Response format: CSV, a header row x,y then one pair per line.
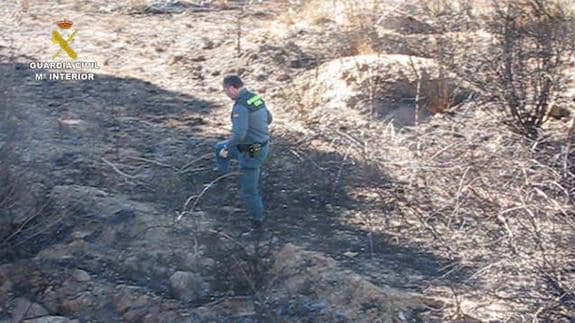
x,y
64,24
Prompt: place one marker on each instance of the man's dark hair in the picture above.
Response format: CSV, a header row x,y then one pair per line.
x,y
233,80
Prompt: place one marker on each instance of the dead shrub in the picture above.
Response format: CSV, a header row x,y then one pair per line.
x,y
521,62
489,201
27,219
25,213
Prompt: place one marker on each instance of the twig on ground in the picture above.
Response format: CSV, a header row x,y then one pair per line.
x,y
197,197
458,196
193,170
119,171
314,163
227,236
341,167
21,227
205,156
296,154
151,161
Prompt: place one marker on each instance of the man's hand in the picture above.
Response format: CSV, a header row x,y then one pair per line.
x,y
224,153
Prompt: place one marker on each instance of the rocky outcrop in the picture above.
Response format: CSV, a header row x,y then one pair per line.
x,y
93,201
51,319
25,309
345,293
188,286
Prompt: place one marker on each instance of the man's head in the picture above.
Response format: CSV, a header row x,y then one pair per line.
x,y
232,86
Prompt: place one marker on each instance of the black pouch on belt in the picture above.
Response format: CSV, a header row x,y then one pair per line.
x,y
253,150
243,147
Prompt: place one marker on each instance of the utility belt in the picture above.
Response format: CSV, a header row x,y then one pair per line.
x,y
253,150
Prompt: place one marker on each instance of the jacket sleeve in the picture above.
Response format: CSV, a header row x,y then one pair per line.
x,y
239,125
270,117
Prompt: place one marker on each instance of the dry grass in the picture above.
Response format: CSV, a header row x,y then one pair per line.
x,y
28,221
498,205
492,202
355,19
26,217
522,65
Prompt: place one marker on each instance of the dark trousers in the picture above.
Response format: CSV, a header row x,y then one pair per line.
x,y
250,170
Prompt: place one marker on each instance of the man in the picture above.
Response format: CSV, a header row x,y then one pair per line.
x,y
249,144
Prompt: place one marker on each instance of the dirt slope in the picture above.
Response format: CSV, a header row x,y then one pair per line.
x,y
97,236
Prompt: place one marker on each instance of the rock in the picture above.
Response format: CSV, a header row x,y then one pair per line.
x,y
207,263
196,263
559,111
207,43
61,251
135,314
51,299
188,286
70,125
199,58
123,299
300,272
350,254
176,59
5,290
91,201
407,25
25,309
241,71
283,78
51,319
81,302
81,276
149,266
79,235
170,316
162,7
152,315
227,307
133,305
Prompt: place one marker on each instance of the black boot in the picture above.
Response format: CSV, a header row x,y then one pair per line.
x,y
258,225
255,230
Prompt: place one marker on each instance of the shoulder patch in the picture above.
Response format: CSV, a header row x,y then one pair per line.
x,y
235,115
